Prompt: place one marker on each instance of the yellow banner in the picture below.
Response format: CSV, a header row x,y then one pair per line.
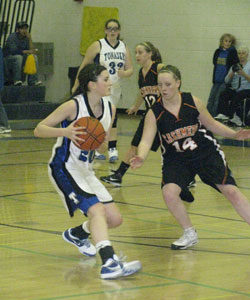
x,y
94,19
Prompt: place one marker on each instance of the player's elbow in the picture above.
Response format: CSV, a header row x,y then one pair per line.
x,y
36,132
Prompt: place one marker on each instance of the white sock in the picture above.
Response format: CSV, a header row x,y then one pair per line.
x,y
102,244
85,227
189,229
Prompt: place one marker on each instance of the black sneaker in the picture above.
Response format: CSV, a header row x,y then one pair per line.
x,y
191,184
114,179
186,195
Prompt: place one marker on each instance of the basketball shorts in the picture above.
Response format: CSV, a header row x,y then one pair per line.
x,y
138,135
212,170
78,190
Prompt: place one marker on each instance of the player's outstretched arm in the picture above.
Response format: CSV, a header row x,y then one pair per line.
x,y
210,123
149,132
242,134
138,102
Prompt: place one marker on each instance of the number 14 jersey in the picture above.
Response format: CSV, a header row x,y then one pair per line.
x,y
183,137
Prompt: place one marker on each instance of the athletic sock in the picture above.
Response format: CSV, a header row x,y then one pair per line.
x,y
112,144
122,168
105,250
79,232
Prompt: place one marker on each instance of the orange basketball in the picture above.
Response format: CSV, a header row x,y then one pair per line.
x,y
95,133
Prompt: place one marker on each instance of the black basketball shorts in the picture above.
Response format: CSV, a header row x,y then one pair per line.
x,y
212,170
138,135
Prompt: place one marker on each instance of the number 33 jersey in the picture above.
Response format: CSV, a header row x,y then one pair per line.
x,y
183,137
113,58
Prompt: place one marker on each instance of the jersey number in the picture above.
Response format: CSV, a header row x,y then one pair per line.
x,y
113,68
87,156
150,100
72,196
187,144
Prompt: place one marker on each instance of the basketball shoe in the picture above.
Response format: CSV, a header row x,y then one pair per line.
x,y
99,156
114,268
114,179
5,129
189,239
192,184
84,246
113,155
236,120
221,117
186,195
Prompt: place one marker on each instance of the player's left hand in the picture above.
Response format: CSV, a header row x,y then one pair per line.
x,y
103,147
242,134
121,73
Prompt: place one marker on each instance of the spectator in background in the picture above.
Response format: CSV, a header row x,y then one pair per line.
x,y
231,100
18,46
4,124
224,57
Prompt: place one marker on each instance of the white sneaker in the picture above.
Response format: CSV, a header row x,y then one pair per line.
x,y
236,120
189,238
5,130
18,83
99,156
114,268
221,117
84,246
113,155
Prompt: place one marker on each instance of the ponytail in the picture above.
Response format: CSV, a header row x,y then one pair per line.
x,y
149,47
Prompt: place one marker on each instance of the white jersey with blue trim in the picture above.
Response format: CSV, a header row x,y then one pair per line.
x,y
65,151
70,168
113,58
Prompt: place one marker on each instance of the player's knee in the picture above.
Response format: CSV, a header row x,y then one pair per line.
x,y
115,221
97,210
170,195
232,193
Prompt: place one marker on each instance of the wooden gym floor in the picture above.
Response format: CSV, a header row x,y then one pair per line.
x,y
36,264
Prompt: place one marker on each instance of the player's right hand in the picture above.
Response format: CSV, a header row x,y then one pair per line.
x,y
74,133
136,162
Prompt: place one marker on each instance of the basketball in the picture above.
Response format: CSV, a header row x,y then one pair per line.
x,y
95,133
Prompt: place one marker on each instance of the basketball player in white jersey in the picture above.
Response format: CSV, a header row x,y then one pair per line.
x,y
71,171
112,53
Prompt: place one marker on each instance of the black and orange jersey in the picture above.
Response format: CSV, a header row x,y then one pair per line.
x,y
183,137
148,86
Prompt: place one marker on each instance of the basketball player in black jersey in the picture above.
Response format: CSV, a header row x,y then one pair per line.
x,y
149,58
188,148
